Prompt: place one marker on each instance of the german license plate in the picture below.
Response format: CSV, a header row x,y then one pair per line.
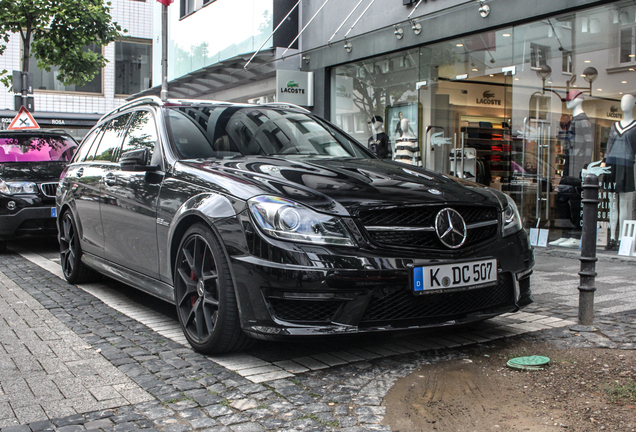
x,y
53,212
455,275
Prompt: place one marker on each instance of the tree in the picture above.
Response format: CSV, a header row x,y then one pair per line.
x,y
57,32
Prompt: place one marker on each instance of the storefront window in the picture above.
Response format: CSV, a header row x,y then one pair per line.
x,y
529,110
43,80
133,67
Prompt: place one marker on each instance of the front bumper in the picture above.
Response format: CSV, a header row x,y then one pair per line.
x,y
36,220
329,291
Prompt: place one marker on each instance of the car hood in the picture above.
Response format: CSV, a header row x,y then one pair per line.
x,y
340,186
31,171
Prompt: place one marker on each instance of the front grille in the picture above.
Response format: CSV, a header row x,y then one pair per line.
x,y
48,189
304,311
395,304
424,217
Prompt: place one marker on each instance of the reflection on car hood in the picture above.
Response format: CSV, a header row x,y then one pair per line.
x,y
341,186
31,171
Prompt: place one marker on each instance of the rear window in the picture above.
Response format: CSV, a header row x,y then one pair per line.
x,y
36,148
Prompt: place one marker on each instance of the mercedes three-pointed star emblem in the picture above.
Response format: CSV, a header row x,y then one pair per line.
x,y
450,228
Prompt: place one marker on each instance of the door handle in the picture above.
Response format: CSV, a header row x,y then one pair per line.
x,y
110,179
80,172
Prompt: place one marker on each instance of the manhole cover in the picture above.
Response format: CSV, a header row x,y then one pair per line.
x,y
528,363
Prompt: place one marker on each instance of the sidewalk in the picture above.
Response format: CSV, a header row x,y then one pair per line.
x,y
69,362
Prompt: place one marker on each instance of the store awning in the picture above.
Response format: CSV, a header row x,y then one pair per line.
x,y
217,77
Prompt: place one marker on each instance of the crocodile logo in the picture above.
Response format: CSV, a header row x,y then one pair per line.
x,y
292,84
613,113
488,94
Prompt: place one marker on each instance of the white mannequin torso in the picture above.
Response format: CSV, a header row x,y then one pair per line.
x,y
627,105
405,124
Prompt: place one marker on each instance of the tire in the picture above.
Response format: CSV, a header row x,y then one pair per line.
x,y
204,294
74,270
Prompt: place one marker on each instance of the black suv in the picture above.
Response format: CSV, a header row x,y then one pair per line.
x,y
267,221
31,162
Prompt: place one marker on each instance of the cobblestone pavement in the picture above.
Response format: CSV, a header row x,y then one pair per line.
x,y
69,361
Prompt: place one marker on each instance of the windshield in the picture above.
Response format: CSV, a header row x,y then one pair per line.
x,y
230,131
36,148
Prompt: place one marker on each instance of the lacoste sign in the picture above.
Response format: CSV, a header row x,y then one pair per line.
x,y
295,87
292,87
488,98
613,113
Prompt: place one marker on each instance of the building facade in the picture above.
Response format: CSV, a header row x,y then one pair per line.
x,y
521,96
211,42
76,109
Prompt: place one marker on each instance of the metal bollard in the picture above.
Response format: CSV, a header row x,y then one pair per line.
x,y
588,254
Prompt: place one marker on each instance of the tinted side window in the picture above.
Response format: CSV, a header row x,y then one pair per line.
x,y
142,133
86,146
111,139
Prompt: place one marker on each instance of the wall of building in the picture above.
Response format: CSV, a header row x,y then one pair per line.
x,y
134,16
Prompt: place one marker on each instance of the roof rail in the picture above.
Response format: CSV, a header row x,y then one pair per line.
x,y
283,105
135,102
198,101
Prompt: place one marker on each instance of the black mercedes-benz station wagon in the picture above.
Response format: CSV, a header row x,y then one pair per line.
x,y
267,221
30,165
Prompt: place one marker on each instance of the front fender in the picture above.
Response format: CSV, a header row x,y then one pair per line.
x,y
209,208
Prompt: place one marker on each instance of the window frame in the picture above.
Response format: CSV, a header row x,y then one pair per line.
x,y
632,44
156,150
65,90
137,41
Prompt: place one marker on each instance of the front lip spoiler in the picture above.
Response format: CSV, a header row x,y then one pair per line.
x,y
285,330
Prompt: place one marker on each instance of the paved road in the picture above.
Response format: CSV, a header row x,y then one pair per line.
x,y
103,355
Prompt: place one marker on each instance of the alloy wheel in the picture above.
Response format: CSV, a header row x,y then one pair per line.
x,y
197,288
68,245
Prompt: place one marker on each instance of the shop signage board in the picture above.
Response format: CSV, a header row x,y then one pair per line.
x,y
24,120
295,87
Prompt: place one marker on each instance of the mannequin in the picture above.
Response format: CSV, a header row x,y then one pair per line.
x,y
579,151
398,126
379,141
620,157
406,148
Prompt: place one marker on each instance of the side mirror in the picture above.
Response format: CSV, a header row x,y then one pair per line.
x,y
137,160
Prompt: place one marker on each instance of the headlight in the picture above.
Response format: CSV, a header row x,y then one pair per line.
x,y
14,188
287,220
511,218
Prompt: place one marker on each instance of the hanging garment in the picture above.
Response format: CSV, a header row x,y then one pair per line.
x,y
379,145
407,150
579,149
621,151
